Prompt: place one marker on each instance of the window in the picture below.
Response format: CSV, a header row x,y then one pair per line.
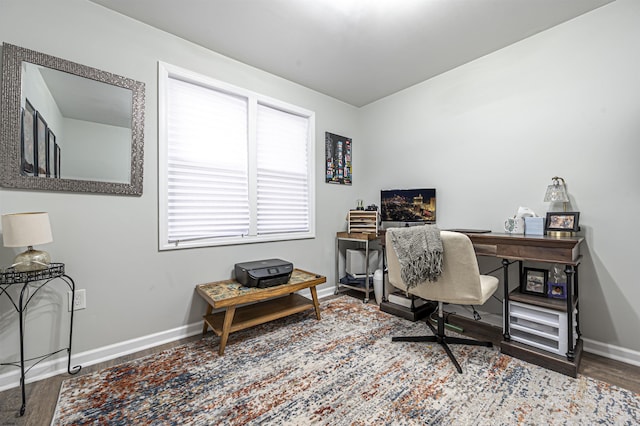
x,y
235,166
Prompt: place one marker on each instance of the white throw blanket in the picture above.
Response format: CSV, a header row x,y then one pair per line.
x,y
419,250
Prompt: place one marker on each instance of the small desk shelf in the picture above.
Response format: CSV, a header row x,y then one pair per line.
x,y
543,302
363,221
358,237
30,284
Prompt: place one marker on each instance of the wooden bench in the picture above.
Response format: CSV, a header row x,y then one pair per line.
x,y
267,304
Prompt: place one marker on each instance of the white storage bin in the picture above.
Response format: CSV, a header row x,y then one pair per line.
x,y
542,328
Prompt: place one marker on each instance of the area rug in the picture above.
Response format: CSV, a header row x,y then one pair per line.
x,y
342,370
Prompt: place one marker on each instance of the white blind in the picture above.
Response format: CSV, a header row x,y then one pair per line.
x,y
282,171
207,171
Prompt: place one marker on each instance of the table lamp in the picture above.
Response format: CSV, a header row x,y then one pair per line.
x,y
27,230
557,192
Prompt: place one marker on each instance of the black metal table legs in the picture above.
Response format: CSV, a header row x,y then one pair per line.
x,y
56,271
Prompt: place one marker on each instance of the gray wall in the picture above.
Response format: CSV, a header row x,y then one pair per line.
x,y
110,244
489,136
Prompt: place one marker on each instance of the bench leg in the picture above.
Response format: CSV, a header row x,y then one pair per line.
x,y
205,326
226,327
316,304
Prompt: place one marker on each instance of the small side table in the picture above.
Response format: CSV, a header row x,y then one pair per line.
x,y
10,277
365,238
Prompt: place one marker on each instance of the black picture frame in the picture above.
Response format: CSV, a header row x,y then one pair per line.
x,y
41,148
51,153
57,160
557,290
27,140
562,221
534,281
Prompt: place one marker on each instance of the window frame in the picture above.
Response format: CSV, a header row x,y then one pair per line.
x,y
166,71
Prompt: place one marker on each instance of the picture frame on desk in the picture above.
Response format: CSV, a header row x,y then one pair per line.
x,y
534,281
557,290
562,221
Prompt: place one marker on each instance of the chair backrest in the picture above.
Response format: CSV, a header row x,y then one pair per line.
x,y
460,281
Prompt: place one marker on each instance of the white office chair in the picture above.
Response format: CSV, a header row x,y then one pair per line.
x,y
460,283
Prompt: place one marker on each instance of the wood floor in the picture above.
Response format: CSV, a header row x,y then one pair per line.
x,y
42,396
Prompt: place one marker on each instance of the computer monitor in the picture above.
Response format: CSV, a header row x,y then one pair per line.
x,y
406,207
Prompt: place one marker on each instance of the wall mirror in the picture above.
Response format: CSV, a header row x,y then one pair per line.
x,y
69,127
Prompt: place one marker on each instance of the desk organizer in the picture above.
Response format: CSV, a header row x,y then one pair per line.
x,y
542,328
365,221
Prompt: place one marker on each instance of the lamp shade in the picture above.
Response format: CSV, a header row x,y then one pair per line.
x,y
26,229
557,191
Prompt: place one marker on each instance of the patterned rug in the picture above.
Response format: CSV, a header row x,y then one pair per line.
x,y
342,370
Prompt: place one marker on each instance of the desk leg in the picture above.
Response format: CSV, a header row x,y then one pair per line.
x,y
337,277
205,326
366,271
505,271
577,298
226,327
316,304
570,353
384,273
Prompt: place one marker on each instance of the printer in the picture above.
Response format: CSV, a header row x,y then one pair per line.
x,y
263,273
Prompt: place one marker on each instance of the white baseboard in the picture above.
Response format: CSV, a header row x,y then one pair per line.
x,y
57,366
322,292
612,352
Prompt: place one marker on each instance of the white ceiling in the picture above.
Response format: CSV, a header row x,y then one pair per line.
x,y
357,51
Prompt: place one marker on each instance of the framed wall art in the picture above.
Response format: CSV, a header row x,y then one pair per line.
x,y
57,161
51,153
338,159
27,140
41,146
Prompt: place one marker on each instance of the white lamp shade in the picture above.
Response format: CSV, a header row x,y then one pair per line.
x,y
26,229
556,193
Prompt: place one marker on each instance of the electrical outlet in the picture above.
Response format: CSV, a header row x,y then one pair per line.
x,y
80,300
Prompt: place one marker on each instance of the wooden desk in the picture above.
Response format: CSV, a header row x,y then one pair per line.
x,y
275,302
538,248
521,248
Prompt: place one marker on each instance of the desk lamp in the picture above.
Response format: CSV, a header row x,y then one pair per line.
x,y
557,192
27,229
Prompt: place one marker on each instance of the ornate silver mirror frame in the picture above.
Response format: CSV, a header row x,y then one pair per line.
x,y
11,168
